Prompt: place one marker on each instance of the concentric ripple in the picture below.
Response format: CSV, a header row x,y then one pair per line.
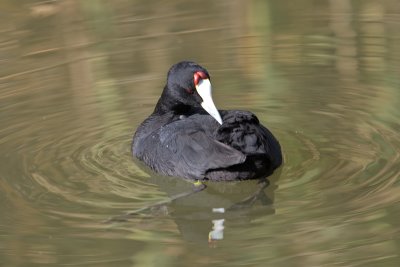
x,y
68,163
77,78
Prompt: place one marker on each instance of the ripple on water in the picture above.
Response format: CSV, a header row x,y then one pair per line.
x,y
354,173
84,172
96,174
61,165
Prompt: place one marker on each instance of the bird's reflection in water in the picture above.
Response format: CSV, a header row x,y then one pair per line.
x,y
204,213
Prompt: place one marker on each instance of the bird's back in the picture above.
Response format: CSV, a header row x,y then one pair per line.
x,y
197,147
184,147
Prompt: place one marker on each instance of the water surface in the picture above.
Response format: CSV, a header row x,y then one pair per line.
x,y
78,77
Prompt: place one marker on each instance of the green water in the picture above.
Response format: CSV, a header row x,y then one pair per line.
x,y
77,78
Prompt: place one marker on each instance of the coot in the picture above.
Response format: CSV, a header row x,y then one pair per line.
x,y
186,136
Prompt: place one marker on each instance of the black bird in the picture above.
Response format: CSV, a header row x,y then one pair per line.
x,y
186,136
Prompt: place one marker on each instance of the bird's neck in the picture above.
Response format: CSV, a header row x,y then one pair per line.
x,y
168,104
163,107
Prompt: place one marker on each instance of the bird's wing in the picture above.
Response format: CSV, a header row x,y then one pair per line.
x,y
190,151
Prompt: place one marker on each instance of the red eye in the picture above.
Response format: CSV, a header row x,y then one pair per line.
x,y
189,91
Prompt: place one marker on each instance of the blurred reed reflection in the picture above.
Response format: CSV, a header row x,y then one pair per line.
x,y
77,77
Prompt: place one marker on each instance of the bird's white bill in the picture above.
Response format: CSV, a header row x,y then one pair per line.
x,y
204,89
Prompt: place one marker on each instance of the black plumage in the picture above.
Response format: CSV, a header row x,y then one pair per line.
x,y
181,139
